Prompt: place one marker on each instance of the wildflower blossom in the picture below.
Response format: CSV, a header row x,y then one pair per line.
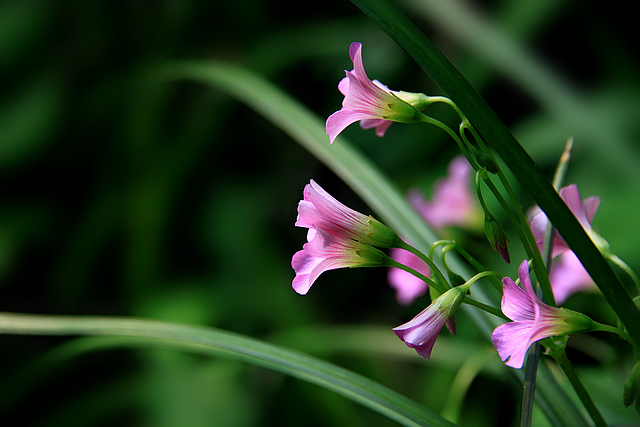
x,y
584,212
533,320
422,331
453,201
371,102
338,237
567,274
324,252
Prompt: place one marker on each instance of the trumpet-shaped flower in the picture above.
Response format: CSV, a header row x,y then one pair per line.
x,y
533,320
453,201
324,252
422,331
371,102
408,287
338,237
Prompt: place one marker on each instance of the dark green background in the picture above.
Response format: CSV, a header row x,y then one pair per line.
x,y
122,196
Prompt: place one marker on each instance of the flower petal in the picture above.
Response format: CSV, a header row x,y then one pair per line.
x,y
512,342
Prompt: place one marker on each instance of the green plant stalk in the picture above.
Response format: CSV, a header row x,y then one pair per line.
x,y
432,265
230,345
533,358
521,223
439,287
409,37
583,394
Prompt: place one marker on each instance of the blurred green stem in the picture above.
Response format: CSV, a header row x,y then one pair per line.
x,y
583,394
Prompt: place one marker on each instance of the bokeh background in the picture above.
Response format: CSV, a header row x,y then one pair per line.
x,y
124,196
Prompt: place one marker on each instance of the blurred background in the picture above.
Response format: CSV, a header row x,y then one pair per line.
x,y
123,196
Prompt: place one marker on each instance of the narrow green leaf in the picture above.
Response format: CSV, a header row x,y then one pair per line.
x,y
498,136
226,344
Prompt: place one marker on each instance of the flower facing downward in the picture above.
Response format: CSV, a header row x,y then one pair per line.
x,y
422,331
338,237
533,320
371,102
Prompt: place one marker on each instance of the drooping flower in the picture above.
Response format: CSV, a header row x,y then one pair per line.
x,y
568,276
453,201
325,251
408,287
584,212
338,237
371,102
422,331
533,320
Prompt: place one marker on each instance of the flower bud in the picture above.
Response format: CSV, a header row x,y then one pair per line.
x,y
496,236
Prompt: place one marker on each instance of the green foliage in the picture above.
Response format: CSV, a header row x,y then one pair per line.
x,y
128,193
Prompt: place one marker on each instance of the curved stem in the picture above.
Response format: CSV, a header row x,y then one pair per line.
x,y
434,268
621,333
430,282
623,265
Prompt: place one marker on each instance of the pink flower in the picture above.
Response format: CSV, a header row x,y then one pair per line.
x,y
584,212
533,320
568,276
408,287
453,201
338,237
324,252
422,331
371,102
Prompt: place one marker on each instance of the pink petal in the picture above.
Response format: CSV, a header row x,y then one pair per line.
x,y
516,304
512,342
591,205
338,121
568,276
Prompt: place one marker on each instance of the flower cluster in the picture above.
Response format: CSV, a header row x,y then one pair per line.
x,y
340,237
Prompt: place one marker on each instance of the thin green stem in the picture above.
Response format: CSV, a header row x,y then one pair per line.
x,y
430,282
434,268
623,265
489,309
620,332
583,394
479,267
529,385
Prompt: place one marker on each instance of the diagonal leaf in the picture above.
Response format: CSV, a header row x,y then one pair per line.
x,y
366,180
226,344
498,136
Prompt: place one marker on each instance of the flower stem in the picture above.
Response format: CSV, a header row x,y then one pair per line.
x,y
430,282
621,333
434,268
583,394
